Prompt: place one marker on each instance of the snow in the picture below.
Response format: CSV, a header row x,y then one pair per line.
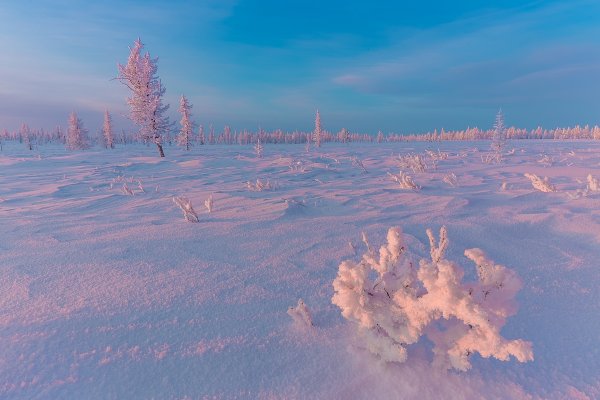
x,y
107,295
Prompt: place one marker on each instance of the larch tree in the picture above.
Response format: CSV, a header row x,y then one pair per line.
x,y
25,135
76,134
317,133
146,102
201,137
107,131
499,135
187,126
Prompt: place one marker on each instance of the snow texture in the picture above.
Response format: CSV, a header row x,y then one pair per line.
x,y
110,296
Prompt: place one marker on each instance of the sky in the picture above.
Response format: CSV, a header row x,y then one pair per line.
x,y
395,66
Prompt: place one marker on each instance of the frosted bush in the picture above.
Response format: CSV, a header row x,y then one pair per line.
x,y
543,185
301,314
402,304
359,164
414,162
209,203
451,179
186,207
404,180
593,184
126,190
260,186
545,160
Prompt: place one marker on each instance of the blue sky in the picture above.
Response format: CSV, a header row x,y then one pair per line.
x,y
366,65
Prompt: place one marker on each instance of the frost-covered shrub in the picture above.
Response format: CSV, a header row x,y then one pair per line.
x,y
451,179
593,184
209,203
402,303
356,162
301,314
186,207
414,162
126,190
260,186
545,160
543,185
404,180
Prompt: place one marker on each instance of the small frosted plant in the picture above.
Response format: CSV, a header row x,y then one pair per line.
x,y
359,164
186,207
301,314
393,304
451,179
593,184
543,185
126,190
404,180
209,203
414,162
260,186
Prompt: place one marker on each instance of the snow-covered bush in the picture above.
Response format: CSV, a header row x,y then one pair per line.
x,y
404,180
414,162
260,186
402,303
451,179
593,184
545,160
126,190
356,162
543,185
186,207
301,314
209,203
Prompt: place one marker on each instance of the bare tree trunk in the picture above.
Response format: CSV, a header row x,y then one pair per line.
x,y
160,149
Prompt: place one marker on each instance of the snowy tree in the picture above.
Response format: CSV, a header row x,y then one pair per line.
x,y
187,126
25,135
258,148
380,137
107,131
201,134
146,104
394,304
317,134
211,135
344,135
499,136
76,134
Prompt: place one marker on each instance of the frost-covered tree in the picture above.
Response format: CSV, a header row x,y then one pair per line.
x,y
107,131
258,148
395,304
146,102
187,126
76,134
317,134
379,137
344,135
201,138
499,136
25,136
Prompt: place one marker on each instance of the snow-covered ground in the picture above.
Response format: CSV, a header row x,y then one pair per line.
x,y
105,294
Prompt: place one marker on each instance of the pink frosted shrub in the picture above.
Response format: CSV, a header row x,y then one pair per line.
x,y
402,304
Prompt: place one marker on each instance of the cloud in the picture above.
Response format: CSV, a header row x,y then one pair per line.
x,y
518,57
